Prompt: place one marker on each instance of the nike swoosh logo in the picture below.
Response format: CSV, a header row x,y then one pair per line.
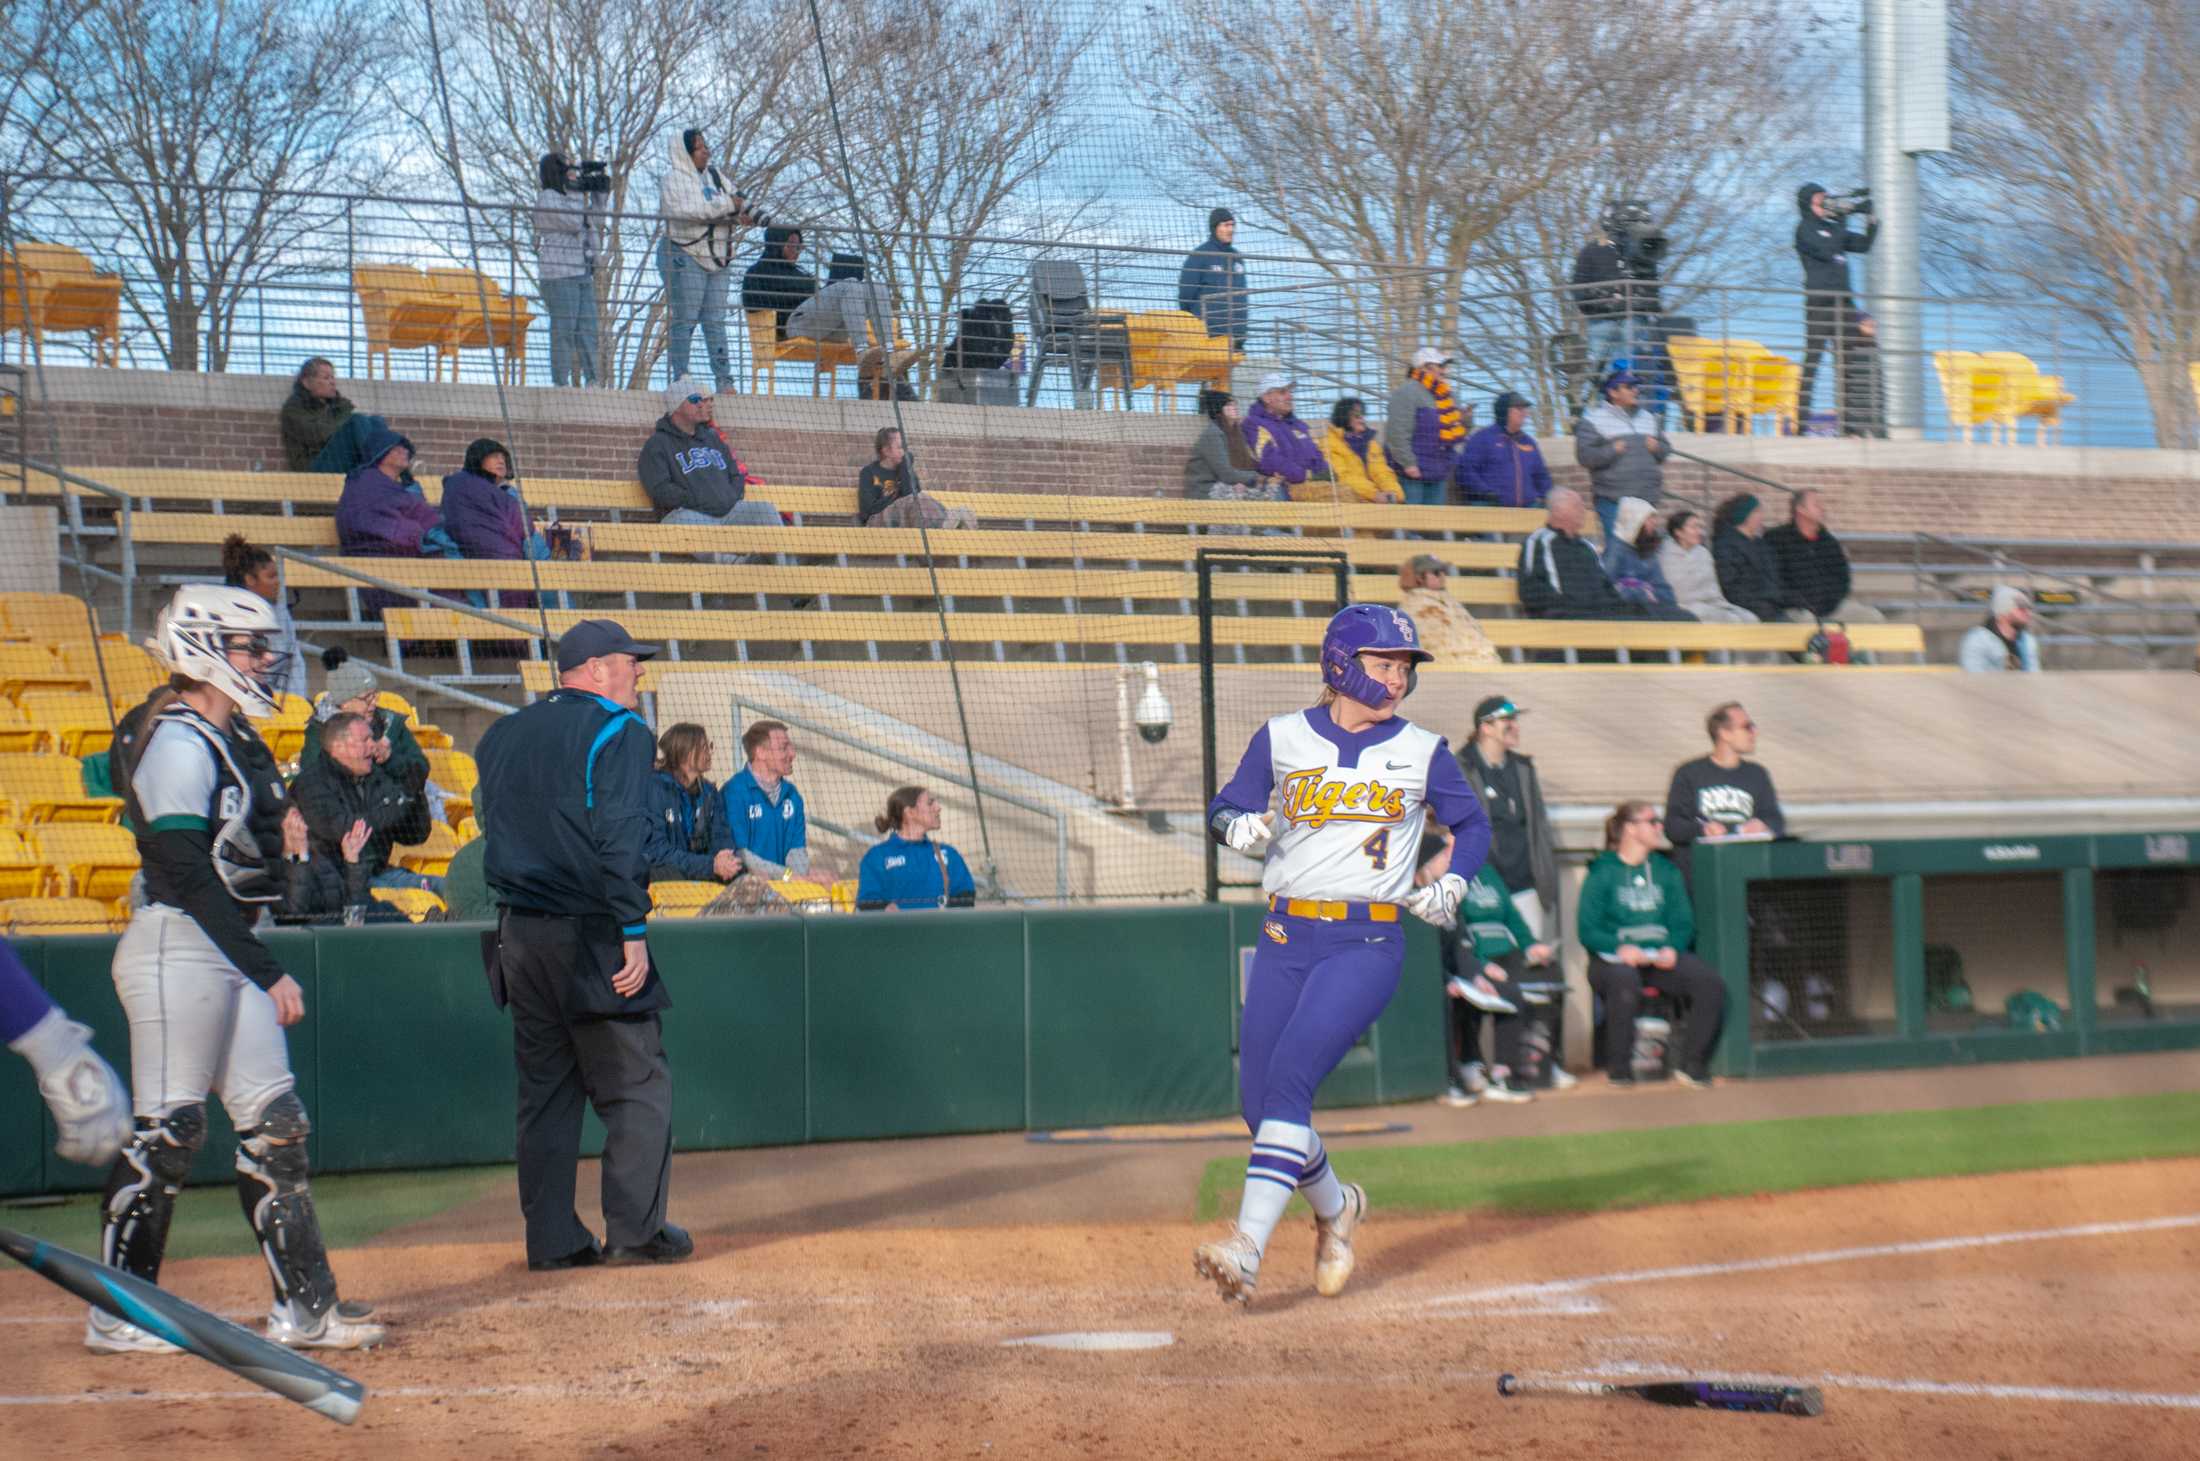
x,y
1397,765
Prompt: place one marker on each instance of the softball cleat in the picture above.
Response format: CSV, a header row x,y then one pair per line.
x,y
1333,1243
1232,1264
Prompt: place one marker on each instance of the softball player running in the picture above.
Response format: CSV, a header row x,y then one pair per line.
x,y
206,1001
1353,781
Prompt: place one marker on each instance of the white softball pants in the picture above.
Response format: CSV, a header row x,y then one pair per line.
x,y
197,1025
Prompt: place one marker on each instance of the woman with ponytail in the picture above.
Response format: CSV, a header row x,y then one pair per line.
x,y
909,870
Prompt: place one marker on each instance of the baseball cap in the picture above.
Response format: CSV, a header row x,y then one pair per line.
x,y
676,394
1427,563
349,681
1622,377
1496,707
1429,355
1275,380
594,638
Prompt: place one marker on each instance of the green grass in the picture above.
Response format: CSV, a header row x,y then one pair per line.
x,y
210,1224
1595,1171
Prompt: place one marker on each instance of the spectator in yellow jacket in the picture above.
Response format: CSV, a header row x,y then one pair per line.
x,y
1355,459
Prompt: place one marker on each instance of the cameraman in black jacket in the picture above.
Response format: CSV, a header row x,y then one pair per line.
x,y
1823,242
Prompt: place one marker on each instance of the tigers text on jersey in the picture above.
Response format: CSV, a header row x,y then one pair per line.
x,y
1350,805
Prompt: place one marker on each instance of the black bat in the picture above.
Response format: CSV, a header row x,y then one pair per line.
x,y
1687,1394
189,1327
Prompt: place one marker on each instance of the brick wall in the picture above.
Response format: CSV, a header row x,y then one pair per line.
x,y
100,418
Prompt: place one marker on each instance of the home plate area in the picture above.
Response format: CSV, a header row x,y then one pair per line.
x,y
2031,1314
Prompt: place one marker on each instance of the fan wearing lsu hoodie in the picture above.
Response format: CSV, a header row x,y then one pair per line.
x,y
702,214
1636,925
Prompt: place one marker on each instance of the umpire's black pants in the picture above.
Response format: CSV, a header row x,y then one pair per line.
x,y
616,1064
1693,982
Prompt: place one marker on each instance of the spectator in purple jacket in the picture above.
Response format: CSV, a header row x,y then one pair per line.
x,y
380,516
1502,465
1282,445
486,519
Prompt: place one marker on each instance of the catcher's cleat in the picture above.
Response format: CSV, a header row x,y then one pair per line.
x,y
331,1331
105,1334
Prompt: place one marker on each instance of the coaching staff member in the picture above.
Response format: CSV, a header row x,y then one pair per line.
x,y
565,784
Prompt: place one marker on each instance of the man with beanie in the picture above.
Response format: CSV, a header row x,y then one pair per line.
x,y
1211,285
703,214
1824,243
1501,465
691,474
352,687
2004,641
1622,447
777,281
1423,430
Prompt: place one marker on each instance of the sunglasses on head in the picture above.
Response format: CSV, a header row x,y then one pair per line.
x,y
696,400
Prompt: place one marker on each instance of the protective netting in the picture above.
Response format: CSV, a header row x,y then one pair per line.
x,y
1022,190
1994,953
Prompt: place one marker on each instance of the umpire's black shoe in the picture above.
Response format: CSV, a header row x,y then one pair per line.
x,y
587,1257
671,1245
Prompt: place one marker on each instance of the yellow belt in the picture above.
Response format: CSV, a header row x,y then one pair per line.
x,y
1334,912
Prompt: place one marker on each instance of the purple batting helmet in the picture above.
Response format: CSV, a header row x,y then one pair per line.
x,y
1356,629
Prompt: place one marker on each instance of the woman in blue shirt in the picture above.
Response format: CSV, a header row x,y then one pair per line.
x,y
909,869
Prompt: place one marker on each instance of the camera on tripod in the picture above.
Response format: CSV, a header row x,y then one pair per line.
x,y
1841,205
1637,237
592,177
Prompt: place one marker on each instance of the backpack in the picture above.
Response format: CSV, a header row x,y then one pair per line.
x,y
986,336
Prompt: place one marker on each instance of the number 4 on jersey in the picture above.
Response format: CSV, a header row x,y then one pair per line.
x,y
1377,849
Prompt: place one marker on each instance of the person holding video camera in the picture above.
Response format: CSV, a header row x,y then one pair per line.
x,y
1823,242
703,213
1615,287
568,241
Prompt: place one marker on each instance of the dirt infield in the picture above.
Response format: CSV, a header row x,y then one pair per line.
x,y
897,1342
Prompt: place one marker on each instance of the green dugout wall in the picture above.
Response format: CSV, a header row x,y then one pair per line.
x,y
2058,946
782,1030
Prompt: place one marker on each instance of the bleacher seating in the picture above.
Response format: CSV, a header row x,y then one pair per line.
x,y
431,858
415,903
767,350
45,787
89,861
1734,382
1997,390
77,723
671,899
483,317
58,915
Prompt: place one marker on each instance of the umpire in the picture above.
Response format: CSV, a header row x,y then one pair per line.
x,y
564,785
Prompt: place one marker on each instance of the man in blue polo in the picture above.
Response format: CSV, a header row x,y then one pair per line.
x,y
770,829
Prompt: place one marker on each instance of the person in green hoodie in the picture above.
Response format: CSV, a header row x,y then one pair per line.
x,y
1495,949
1636,926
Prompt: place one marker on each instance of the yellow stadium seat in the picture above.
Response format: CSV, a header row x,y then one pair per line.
x,y
80,723
18,734
800,891
457,774
431,858
90,861
766,350
468,829
34,916
27,669
22,870
432,737
126,673
415,903
392,701
49,788
484,316
682,899
48,288
844,896
285,730
51,618
401,310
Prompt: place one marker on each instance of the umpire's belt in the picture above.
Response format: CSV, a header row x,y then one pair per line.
x,y
1334,912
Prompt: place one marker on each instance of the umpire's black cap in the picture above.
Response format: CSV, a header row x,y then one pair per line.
x,y
594,638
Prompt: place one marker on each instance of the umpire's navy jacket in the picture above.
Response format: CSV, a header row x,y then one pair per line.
x,y
564,793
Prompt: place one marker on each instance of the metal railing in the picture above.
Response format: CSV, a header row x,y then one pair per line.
x,y
1324,320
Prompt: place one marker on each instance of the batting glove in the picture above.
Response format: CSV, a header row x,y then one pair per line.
x,y
89,1104
1249,832
1438,903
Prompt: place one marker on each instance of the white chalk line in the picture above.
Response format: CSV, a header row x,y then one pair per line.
x,y
1550,1290
394,1392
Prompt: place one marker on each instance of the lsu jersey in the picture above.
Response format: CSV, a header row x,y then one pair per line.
x,y
1349,807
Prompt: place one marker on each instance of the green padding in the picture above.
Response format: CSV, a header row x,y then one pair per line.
x,y
916,1024
734,1034
416,1062
1128,1019
24,1153
79,976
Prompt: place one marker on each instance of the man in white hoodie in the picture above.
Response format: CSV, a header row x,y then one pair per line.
x,y
703,216
1623,448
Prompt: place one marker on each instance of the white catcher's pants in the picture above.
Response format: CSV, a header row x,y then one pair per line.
x,y
196,1024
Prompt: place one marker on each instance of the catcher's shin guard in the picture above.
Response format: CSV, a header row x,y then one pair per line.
x,y
142,1187
271,1185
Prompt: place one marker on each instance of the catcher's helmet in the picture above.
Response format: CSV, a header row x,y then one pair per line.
x,y
1356,629
193,635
